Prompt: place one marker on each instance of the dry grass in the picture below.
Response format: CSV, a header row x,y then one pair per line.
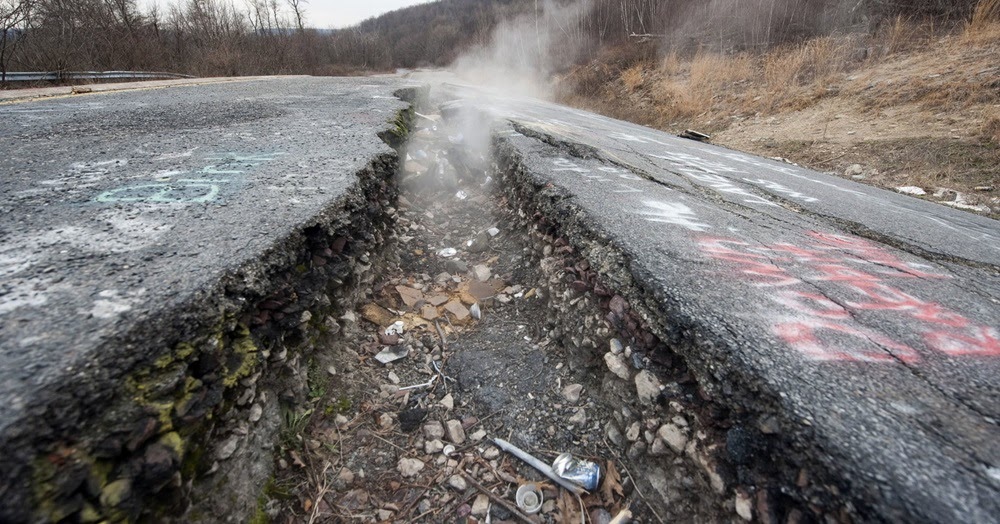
x,y
928,99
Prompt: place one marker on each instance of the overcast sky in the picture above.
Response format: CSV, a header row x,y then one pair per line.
x,y
330,13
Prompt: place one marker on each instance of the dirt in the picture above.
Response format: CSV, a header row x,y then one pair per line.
x,y
903,145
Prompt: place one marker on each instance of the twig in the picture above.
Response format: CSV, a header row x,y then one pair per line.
x,y
510,507
444,340
323,490
387,442
622,517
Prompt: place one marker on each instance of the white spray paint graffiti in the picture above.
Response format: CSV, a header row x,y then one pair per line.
x,y
605,174
205,186
673,213
705,171
778,188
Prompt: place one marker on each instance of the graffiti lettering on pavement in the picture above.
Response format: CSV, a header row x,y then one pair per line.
x,y
855,276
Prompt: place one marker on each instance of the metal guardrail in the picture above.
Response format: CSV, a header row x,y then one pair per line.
x,y
66,76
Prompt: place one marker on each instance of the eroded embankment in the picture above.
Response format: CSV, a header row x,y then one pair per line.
x,y
187,433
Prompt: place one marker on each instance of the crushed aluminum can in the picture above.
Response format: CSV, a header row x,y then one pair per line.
x,y
582,472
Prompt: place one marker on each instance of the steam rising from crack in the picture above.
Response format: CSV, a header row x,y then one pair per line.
x,y
523,53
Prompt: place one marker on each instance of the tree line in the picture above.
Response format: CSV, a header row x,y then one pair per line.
x,y
250,37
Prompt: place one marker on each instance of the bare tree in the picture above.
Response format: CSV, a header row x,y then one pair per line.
x,y
13,16
298,9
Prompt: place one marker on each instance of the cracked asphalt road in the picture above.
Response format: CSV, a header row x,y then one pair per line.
x,y
871,316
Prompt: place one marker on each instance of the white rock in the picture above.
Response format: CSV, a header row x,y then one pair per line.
x,y
572,392
674,435
409,467
617,365
491,453
658,448
448,402
616,346
647,386
481,505
393,377
256,411
458,483
433,430
384,515
579,418
227,448
481,272
433,446
478,435
911,190
744,506
632,433
454,431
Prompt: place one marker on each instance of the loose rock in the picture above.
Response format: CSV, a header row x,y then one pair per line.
x,y
409,467
617,365
572,393
454,431
647,386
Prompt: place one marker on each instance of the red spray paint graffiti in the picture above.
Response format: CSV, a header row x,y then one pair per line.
x,y
859,271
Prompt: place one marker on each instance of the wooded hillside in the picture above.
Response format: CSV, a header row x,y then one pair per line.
x,y
243,37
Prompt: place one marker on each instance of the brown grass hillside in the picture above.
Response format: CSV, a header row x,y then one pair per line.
x,y
906,105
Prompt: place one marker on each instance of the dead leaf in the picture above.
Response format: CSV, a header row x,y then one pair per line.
x,y
307,505
611,489
297,459
569,509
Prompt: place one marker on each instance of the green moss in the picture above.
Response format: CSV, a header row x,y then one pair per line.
x,y
173,441
244,358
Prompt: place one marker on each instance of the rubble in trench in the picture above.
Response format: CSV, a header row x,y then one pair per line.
x,y
490,327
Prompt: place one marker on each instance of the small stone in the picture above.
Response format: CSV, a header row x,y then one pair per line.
x,y
385,420
256,411
456,308
579,418
481,272
744,506
393,377
614,435
632,433
636,451
227,448
549,506
854,170
454,431
432,447
116,492
658,448
647,386
340,420
491,453
448,402
433,430
572,393
409,467
600,516
617,365
384,515
481,505
674,436
458,483
478,435
346,476
616,346
423,506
